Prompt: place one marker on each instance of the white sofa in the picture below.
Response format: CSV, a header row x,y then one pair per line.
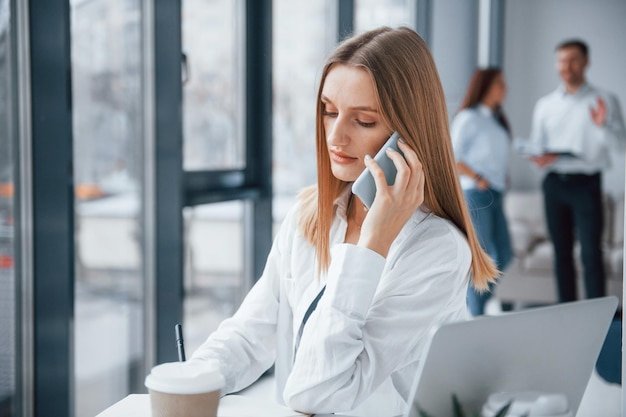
x,y
530,279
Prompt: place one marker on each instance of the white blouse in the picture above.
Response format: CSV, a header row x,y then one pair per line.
x,y
360,347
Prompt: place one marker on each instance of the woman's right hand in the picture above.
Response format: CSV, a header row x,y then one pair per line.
x,y
394,204
482,184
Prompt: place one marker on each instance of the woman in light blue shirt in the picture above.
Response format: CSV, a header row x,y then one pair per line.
x,y
481,140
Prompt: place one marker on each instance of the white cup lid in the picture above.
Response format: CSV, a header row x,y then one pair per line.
x,y
195,377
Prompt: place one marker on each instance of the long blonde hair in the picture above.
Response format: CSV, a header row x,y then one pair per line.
x,y
411,101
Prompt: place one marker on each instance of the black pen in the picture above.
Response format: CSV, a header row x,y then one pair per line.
x,y
180,342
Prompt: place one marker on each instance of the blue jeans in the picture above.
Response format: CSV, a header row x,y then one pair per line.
x,y
487,212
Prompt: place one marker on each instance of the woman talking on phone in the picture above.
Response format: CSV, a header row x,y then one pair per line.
x,y
348,296
481,140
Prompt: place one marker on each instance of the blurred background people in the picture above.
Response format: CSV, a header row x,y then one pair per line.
x,y
481,139
575,127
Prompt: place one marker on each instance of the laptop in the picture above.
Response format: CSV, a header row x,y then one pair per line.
x,y
547,349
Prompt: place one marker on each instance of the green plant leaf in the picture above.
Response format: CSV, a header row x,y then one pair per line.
x,y
502,412
420,411
456,406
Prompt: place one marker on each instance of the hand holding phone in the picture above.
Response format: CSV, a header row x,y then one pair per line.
x,y
364,186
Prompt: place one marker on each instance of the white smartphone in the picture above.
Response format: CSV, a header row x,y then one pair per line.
x,y
364,186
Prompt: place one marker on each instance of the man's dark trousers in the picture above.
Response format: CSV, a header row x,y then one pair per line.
x,y
573,207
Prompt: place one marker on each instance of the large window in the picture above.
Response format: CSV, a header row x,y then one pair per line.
x,y
369,14
303,35
108,161
213,140
214,262
212,76
8,321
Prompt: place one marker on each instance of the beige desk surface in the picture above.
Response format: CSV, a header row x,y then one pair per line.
x,y
138,405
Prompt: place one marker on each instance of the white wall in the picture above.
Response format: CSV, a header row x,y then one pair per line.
x,y
455,46
532,30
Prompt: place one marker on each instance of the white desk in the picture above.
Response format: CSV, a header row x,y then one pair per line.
x,y
138,405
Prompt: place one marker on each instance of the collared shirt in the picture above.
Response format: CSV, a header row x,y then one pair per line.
x,y
562,123
481,142
360,348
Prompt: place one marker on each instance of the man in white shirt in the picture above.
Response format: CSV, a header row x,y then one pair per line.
x,y
576,127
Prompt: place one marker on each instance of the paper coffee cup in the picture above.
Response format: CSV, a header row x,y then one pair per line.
x,y
185,389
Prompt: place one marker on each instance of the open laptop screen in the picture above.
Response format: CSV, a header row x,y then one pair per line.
x,y
547,349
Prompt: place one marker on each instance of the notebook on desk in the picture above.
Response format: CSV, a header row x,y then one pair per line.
x,y
551,349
